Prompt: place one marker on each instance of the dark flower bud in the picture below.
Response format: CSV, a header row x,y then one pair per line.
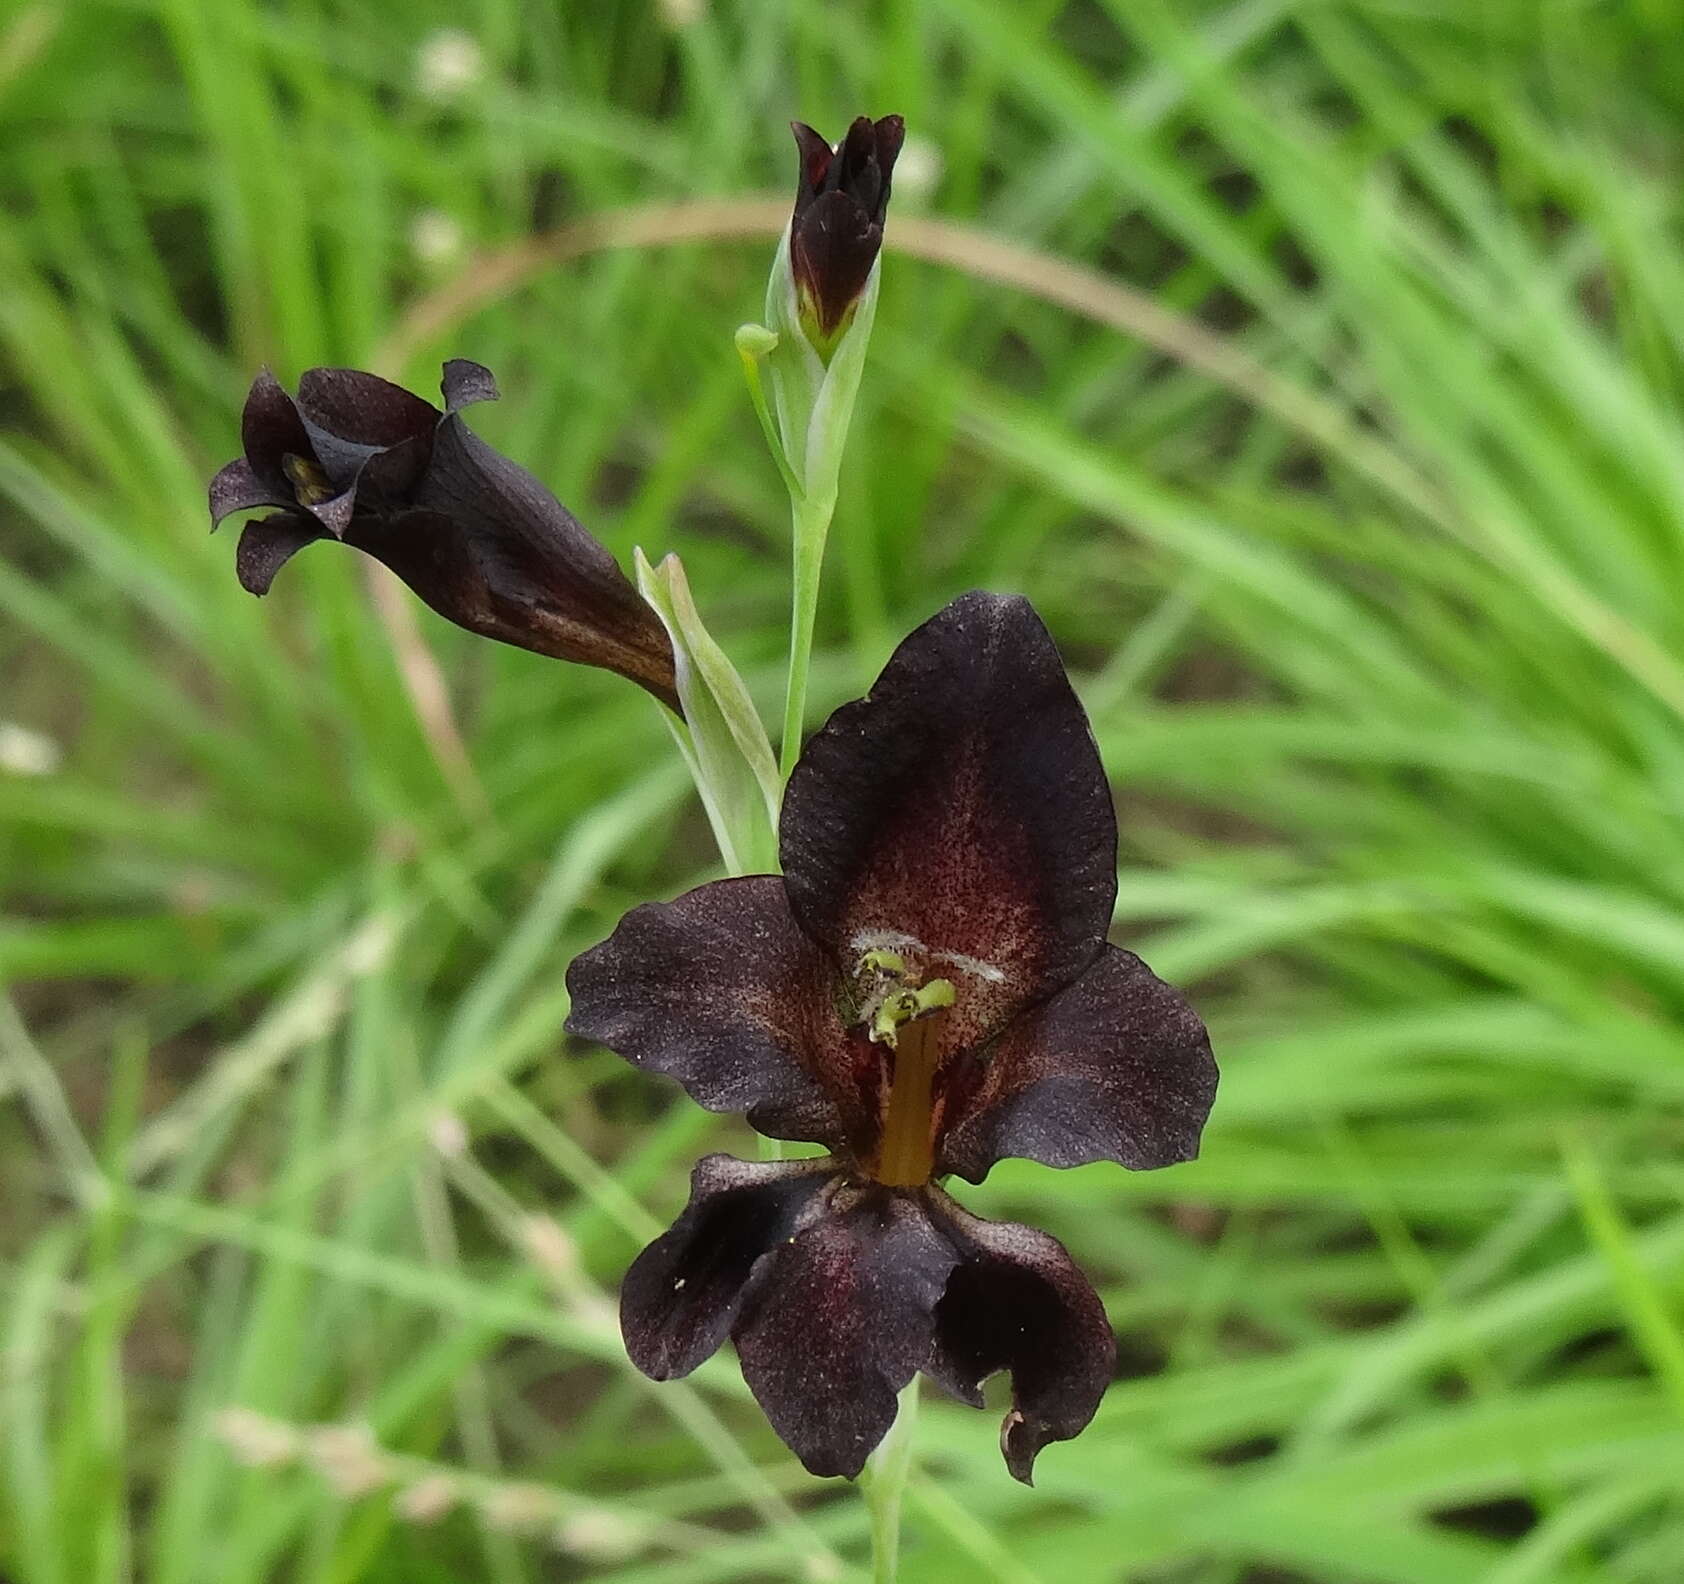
x,y
836,232
478,538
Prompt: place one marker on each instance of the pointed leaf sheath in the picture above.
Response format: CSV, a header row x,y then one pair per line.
x,y
1114,1067
478,538
1018,1302
960,803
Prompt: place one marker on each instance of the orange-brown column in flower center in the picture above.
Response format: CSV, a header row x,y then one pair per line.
x,y
906,1156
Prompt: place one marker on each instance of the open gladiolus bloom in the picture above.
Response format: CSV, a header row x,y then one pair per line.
x,y
926,989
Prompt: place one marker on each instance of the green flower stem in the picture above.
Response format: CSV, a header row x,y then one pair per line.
x,y
811,527
885,1484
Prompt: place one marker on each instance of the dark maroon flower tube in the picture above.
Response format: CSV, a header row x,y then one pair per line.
x,y
358,459
925,990
836,232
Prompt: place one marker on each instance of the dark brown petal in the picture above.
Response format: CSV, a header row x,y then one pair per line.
x,y
682,1294
861,177
890,135
491,549
466,382
268,544
386,479
363,408
833,245
1115,1067
815,156
238,488
335,514
271,430
961,803
1018,1302
722,992
837,1321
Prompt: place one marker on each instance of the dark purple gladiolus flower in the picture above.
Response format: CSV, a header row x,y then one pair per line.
x,y
477,537
841,196
926,989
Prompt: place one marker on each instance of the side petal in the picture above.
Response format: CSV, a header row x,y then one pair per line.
x,y
494,551
682,1294
961,803
267,545
1018,1302
722,992
814,154
237,487
1115,1067
837,1321
466,382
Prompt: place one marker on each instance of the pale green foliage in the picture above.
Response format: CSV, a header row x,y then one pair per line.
x,y
721,737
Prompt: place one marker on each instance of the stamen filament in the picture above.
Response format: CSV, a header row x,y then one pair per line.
x,y
906,1157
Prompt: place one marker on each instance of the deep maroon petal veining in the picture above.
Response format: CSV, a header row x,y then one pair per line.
x,y
959,805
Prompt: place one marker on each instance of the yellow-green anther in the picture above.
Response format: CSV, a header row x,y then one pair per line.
x,y
932,997
890,964
308,482
901,1007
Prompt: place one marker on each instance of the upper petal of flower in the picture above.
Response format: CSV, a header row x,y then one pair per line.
x,y
960,805
369,434
1018,1302
363,408
721,991
839,1319
1116,1066
682,1294
270,431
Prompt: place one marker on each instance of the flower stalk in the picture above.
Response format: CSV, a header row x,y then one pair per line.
x,y
885,1484
811,525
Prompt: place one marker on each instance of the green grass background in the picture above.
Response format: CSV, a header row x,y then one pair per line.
x,y
1366,564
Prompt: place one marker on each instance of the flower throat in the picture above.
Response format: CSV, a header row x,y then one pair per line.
x,y
906,1016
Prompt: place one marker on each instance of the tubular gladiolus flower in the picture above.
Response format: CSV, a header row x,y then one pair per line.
x,y
478,538
925,990
836,232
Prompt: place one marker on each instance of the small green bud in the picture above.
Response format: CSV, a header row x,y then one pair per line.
x,y
755,341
